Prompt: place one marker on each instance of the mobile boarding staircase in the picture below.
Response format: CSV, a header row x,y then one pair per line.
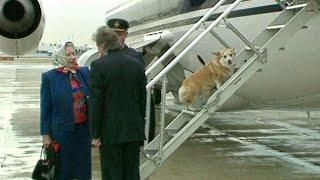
x,y
258,52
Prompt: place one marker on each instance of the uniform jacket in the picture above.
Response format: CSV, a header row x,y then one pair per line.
x,y
117,98
133,53
56,104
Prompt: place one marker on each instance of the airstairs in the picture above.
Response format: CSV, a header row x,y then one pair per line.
x,y
258,52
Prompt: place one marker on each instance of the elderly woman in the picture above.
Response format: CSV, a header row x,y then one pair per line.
x,y
64,115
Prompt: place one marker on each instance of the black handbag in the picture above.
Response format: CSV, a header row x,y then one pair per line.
x,y
46,168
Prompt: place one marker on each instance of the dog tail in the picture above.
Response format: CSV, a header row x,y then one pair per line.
x,y
182,93
201,60
186,95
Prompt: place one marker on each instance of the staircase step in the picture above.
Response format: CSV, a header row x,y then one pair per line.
x,y
172,132
299,6
276,27
188,111
249,48
151,152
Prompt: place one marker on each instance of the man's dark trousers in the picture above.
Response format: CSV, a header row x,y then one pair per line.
x,y
152,125
120,161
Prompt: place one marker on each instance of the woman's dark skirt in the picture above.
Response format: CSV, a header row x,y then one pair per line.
x,y
75,153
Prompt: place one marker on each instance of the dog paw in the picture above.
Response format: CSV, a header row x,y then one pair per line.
x,y
190,108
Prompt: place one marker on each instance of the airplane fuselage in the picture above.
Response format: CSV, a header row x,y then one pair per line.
x,y
291,80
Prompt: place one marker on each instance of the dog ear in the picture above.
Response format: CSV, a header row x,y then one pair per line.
x,y
216,53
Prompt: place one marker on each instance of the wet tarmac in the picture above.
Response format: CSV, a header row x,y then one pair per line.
x,y
258,145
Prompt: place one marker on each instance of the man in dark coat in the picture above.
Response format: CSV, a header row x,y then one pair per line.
x,y
117,107
121,26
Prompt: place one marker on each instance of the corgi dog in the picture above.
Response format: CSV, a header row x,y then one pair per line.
x,y
197,88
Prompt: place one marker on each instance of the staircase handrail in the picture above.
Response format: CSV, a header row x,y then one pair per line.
x,y
194,27
193,43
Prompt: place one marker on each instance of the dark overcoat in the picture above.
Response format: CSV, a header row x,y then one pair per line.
x,y
117,98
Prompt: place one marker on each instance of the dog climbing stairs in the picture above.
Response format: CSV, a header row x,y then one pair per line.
x,y
251,58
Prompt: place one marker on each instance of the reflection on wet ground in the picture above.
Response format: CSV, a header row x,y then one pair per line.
x,y
249,145
19,116
234,145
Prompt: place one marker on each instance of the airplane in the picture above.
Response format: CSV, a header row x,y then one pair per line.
x,y
290,81
172,33
287,82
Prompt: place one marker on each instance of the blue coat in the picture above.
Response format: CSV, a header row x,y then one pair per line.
x,y
57,120
57,100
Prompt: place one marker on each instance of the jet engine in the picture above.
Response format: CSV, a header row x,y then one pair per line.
x,y
21,26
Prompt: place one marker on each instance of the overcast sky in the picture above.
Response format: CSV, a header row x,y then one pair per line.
x,y
74,19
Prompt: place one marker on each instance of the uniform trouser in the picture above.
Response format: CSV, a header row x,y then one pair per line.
x,y
120,161
155,99
152,125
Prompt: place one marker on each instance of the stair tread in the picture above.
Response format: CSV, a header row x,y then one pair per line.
x,y
249,48
151,151
280,26
188,111
296,6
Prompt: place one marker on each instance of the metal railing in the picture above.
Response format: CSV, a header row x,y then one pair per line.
x,y
184,37
151,82
162,117
167,146
188,48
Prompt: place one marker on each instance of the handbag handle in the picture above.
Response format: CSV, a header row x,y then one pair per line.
x,y
41,152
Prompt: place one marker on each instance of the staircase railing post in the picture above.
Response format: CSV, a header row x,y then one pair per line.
x,y
185,36
246,41
192,44
162,117
147,118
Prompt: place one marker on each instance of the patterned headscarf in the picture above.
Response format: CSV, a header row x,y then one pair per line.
x,y
60,58
61,61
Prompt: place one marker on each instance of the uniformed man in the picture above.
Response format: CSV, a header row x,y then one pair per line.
x,y
121,26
